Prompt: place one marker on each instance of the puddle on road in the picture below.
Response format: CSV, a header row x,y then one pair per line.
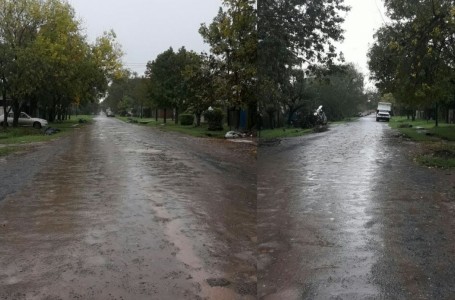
x,y
95,261
86,219
143,151
330,197
187,255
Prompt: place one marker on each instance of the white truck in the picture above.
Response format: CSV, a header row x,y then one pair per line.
x,y
384,111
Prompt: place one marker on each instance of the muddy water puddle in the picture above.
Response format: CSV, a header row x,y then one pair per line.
x,y
124,213
324,215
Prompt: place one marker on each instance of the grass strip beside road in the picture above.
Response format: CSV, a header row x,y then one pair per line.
x,y
196,131
437,143
6,150
423,130
27,135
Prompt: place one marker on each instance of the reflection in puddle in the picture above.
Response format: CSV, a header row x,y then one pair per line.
x,y
188,256
142,151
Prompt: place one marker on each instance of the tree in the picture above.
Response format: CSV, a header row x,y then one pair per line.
x,y
233,39
200,80
295,90
116,92
41,43
18,30
293,35
139,94
166,79
62,50
339,89
413,57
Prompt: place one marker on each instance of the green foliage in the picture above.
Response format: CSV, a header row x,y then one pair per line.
x,y
338,89
233,40
128,92
200,81
124,105
423,130
214,118
7,150
42,43
26,135
442,158
291,34
165,75
413,56
437,143
186,119
288,29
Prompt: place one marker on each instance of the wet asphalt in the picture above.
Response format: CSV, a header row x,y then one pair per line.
x,y
347,214
118,211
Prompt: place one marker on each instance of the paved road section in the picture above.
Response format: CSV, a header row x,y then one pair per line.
x,y
346,214
119,211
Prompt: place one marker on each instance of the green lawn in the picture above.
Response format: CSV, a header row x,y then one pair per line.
x,y
6,150
26,135
432,160
197,131
423,130
437,142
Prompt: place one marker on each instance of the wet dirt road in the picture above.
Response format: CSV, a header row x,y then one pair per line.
x,y
346,214
118,211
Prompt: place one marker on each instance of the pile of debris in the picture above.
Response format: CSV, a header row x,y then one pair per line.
x,y
50,130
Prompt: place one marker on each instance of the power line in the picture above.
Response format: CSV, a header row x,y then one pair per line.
x,y
380,12
135,64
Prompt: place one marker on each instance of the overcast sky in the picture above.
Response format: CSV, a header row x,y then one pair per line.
x,y
145,28
365,17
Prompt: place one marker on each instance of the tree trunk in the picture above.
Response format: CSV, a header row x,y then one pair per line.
x,y
252,115
16,111
165,116
230,118
198,119
436,117
156,115
5,106
291,114
271,120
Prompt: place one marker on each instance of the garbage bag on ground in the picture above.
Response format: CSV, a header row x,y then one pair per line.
x,y
234,135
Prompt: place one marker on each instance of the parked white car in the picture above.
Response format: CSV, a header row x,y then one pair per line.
x,y
24,120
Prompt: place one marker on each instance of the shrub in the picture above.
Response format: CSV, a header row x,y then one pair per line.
x,y
186,119
214,118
